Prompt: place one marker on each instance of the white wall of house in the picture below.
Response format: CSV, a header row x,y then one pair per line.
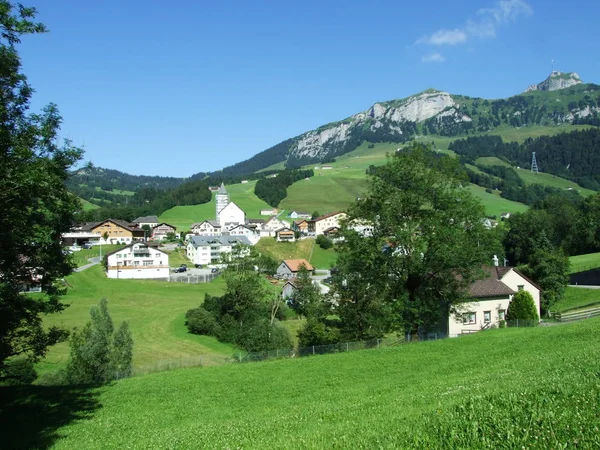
x,y
241,230
275,224
138,261
516,282
472,316
232,213
328,222
287,291
198,255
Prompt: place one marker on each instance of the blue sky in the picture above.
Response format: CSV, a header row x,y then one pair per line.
x,y
176,88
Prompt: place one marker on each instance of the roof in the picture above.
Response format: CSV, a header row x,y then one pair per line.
x,y
328,215
294,264
256,220
153,247
214,223
146,219
492,286
91,225
222,189
289,230
293,281
201,241
167,224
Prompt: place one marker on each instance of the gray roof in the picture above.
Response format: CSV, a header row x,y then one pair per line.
x,y
214,223
222,189
201,241
256,220
146,219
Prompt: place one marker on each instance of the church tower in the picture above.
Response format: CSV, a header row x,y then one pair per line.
x,y
222,199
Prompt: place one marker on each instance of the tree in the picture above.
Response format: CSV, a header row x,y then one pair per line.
x,y
428,244
36,206
96,355
324,242
315,214
522,307
307,300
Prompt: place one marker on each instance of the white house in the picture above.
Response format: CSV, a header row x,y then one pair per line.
x,y
160,231
257,224
320,224
208,249
272,225
299,215
138,260
269,212
206,228
243,230
491,297
151,221
289,268
231,214
285,235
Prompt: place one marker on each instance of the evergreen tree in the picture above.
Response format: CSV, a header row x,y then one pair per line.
x,y
522,307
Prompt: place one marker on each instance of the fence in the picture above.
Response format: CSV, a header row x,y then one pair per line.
x,y
571,316
192,279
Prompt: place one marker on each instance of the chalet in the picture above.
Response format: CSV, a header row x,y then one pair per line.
x,y
208,249
160,231
272,225
206,228
113,231
138,260
326,167
289,268
301,226
489,300
331,232
320,224
285,235
151,221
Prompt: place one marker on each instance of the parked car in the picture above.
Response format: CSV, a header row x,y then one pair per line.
x,y
87,246
183,265
214,270
74,248
180,269
198,266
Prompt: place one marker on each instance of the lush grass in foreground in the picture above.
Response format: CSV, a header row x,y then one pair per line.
x,y
581,263
155,311
504,388
577,298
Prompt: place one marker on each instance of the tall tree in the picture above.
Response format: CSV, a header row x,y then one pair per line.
x,y
36,206
428,244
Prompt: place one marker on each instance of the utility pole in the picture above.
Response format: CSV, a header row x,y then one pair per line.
x,y
534,166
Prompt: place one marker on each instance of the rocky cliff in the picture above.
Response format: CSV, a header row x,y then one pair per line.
x,y
555,81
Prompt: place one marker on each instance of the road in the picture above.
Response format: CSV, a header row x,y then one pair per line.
x,y
318,277
92,262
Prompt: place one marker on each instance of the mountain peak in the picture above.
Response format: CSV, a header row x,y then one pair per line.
x,y
555,81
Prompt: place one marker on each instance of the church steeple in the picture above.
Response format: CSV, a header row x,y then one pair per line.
x,y
222,199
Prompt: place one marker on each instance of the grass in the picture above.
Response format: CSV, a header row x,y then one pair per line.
x,y
487,390
81,257
581,263
178,257
577,298
154,309
304,249
323,259
494,204
87,206
242,194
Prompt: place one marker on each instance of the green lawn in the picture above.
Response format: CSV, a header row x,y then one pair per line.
x,y
87,206
303,249
81,257
155,311
242,194
576,298
581,263
323,259
487,390
494,204
178,257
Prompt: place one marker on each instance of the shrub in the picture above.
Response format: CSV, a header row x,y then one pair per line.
x,y
324,242
522,307
19,371
315,332
201,321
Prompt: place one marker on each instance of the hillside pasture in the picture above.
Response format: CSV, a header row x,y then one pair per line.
x,y
494,204
585,262
302,249
577,298
155,311
484,390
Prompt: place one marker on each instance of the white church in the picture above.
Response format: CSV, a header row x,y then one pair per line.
x,y
230,220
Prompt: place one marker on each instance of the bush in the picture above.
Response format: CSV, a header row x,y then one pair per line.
x,y
522,307
201,321
315,332
324,242
262,336
18,372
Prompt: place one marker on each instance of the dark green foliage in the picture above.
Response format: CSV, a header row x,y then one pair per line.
x,y
246,315
427,246
19,371
36,206
316,332
522,307
273,190
98,356
550,270
324,242
315,214
307,299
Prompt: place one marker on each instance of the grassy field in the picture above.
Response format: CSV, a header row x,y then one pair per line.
x,y
576,298
487,390
494,204
155,311
242,194
81,257
178,257
87,206
581,263
304,249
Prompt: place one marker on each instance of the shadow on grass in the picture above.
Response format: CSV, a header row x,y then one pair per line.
x,y
31,416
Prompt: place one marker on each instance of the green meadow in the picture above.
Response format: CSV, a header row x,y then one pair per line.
x,y
154,309
581,263
302,249
503,388
577,298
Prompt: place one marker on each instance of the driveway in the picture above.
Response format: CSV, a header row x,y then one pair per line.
x,y
318,278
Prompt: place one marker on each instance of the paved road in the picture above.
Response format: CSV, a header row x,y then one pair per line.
x,y
583,286
92,262
318,278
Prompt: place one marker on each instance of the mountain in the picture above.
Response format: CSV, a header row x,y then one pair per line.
x,y
561,98
555,81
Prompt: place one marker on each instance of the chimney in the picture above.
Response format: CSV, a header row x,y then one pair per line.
x,y
505,262
495,261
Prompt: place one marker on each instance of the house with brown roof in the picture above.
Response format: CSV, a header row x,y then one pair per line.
x,y
301,226
489,300
285,235
160,231
320,224
114,231
289,268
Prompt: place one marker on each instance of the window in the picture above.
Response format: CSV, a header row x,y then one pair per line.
x,y
487,316
469,318
520,287
502,314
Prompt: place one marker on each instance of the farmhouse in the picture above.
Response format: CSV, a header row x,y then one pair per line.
x,y
206,228
151,221
256,224
301,226
490,299
320,224
109,231
244,230
289,268
285,235
160,231
138,260
272,225
208,249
